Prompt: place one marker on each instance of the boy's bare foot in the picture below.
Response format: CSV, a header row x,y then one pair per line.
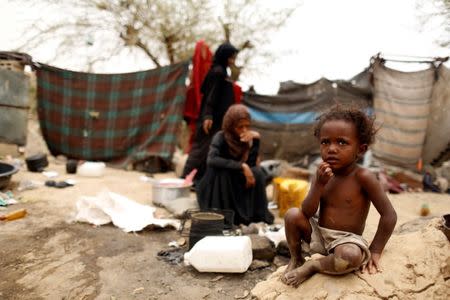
x,y
294,263
300,274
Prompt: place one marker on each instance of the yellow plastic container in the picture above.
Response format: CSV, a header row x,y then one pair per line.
x,y
276,182
292,192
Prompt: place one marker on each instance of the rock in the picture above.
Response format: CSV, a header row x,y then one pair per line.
x,y
262,248
280,261
258,264
283,249
411,270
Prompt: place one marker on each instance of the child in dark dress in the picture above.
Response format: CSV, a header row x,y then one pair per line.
x,y
343,191
233,179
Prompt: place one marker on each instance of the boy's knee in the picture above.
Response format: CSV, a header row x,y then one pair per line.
x,y
347,257
294,215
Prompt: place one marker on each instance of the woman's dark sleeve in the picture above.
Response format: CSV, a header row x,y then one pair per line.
x,y
253,154
215,157
211,93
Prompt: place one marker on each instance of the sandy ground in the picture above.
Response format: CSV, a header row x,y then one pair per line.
x,y
47,256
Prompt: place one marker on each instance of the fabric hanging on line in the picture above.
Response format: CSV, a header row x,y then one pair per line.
x,y
402,106
14,105
201,62
438,131
285,121
117,118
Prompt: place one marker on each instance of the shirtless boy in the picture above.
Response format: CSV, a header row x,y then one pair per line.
x,y
344,191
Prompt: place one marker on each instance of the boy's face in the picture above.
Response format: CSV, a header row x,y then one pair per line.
x,y
339,144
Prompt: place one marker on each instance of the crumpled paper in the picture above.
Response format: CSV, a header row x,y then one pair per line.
x,y
124,213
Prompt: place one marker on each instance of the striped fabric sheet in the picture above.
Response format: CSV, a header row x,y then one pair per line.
x,y
118,118
402,107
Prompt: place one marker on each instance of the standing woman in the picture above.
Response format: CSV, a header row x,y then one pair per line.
x,y
233,179
218,96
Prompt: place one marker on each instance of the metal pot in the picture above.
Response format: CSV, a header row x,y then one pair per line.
x,y
169,189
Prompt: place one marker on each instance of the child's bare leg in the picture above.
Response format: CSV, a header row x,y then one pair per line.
x,y
297,228
346,258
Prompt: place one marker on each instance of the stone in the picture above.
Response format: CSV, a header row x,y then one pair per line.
x,y
258,264
262,247
283,249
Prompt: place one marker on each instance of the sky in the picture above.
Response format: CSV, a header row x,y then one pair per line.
x,y
324,38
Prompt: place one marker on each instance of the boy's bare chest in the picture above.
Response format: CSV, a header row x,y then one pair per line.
x,y
343,192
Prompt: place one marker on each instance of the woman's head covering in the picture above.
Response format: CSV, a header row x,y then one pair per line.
x,y
223,53
233,115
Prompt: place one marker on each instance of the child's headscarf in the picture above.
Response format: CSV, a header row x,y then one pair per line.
x,y
234,114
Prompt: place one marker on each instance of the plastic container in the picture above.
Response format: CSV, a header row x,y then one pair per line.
x,y
292,192
17,214
91,169
224,254
71,166
169,189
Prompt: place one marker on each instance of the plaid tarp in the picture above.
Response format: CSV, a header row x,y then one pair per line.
x,y
117,118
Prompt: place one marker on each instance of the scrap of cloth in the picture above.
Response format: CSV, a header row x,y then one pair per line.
x,y
117,118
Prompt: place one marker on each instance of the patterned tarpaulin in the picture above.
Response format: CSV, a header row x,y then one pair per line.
x,y
119,118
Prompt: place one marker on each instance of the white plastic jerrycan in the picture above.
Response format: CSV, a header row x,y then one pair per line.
x,y
91,169
224,254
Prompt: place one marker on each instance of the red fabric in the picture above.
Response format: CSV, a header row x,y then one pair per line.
x,y
237,93
201,62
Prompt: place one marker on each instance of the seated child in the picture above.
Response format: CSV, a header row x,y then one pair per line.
x,y
233,178
344,191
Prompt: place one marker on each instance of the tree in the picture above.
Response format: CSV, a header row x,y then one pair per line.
x,y
165,31
441,11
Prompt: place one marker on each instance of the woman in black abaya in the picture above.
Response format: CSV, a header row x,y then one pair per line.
x,y
233,180
218,96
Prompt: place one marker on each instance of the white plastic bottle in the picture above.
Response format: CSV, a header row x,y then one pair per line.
x,y
224,254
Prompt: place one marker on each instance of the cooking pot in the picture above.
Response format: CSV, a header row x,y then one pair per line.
x,y
37,162
6,171
169,189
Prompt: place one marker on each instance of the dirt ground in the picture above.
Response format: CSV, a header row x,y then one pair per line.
x,y
48,256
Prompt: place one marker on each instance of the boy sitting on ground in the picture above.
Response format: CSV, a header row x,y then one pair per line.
x,y
344,191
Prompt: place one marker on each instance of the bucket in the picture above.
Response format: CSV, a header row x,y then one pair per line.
x,y
71,166
205,224
37,162
228,214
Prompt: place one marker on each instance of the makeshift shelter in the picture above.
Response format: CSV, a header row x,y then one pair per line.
x,y
14,97
285,120
118,118
412,112
437,137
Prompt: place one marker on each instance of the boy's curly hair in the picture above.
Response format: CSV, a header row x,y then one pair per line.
x,y
364,124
